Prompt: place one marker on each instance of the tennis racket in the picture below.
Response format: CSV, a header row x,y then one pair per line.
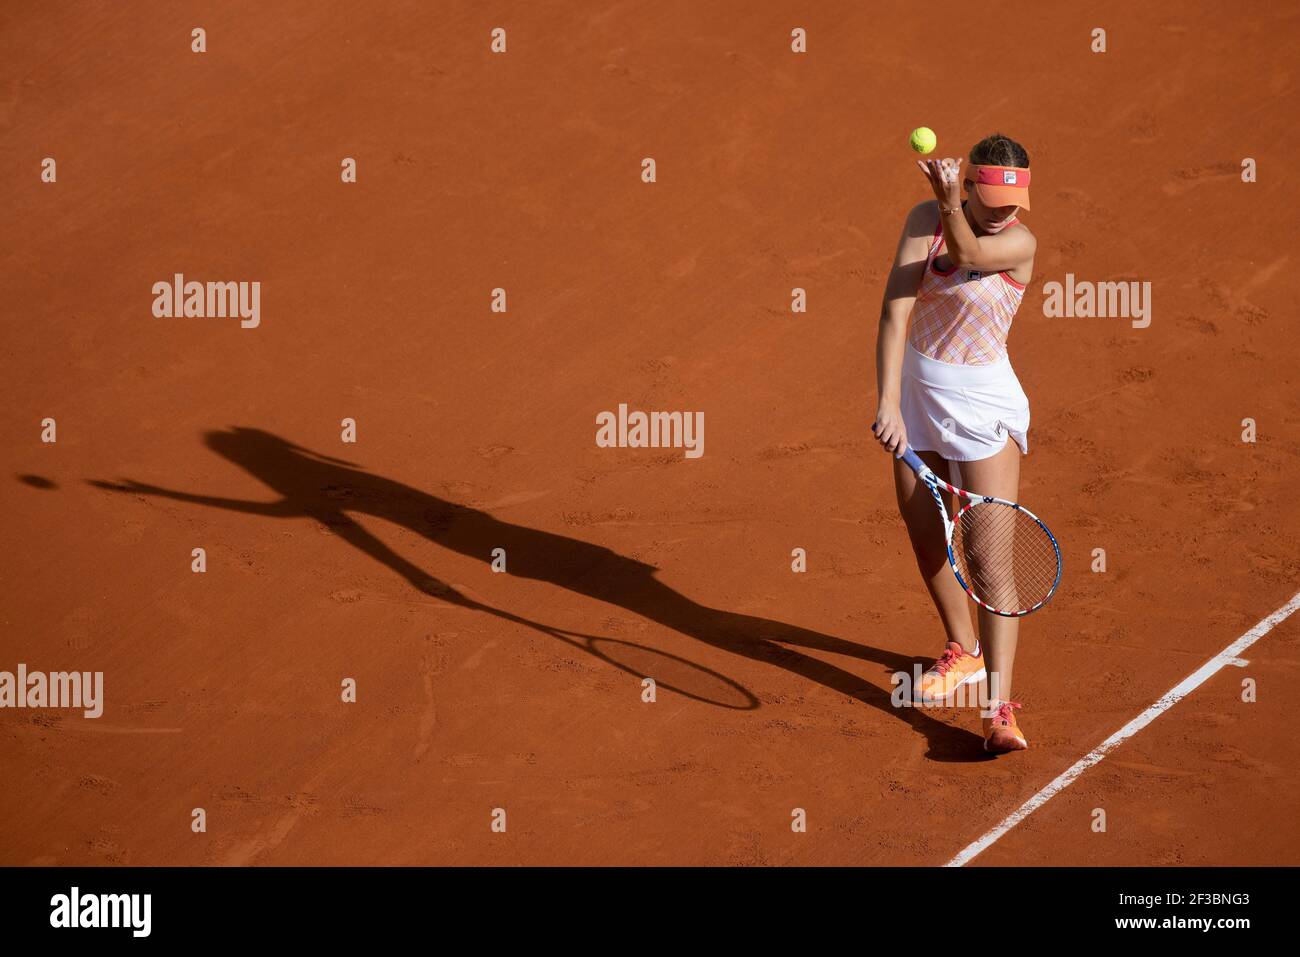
x,y
1003,555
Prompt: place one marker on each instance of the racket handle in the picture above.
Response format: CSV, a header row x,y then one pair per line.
x,y
913,460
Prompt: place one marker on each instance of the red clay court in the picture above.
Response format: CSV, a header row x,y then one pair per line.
x,y
475,430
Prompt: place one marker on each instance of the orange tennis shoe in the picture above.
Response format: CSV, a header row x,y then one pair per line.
x,y
954,668
1001,733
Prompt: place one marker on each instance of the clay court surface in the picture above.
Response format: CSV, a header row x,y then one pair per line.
x,y
476,430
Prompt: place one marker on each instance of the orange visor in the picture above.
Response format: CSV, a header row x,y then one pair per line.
x,y
1000,185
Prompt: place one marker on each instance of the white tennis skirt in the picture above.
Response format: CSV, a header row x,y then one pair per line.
x,y
965,413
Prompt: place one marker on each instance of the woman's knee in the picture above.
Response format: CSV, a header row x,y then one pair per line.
x,y
928,542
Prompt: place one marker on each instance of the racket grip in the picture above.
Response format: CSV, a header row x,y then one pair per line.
x,y
913,460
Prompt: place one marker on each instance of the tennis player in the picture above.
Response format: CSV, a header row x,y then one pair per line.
x,y
947,389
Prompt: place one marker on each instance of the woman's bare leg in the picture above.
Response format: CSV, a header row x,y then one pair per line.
x,y
925,528
997,475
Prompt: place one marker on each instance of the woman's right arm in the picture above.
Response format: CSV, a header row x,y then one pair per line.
x,y
891,339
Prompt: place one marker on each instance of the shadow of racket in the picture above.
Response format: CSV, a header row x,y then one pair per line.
x,y
677,674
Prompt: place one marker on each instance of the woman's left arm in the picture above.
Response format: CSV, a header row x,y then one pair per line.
x,y
1004,250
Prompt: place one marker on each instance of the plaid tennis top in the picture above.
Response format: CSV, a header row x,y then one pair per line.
x,y
961,315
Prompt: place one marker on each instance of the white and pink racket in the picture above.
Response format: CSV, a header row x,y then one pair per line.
x,y
1003,555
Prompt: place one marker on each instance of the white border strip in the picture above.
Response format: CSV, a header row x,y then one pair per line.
x,y
1228,656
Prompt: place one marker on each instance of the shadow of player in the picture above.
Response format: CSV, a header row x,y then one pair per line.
x,y
315,486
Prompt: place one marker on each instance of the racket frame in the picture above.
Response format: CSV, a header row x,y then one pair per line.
x,y
973,500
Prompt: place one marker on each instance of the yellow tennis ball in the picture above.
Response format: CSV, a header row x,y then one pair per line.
x,y
924,140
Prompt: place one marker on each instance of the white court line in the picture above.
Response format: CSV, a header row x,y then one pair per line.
x,y
1228,656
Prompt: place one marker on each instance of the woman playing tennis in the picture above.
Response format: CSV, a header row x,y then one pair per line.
x,y
947,389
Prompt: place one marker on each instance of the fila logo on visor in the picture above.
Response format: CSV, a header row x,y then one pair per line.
x,y
1008,177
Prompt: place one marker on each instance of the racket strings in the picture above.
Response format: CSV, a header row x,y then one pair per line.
x,y
1005,556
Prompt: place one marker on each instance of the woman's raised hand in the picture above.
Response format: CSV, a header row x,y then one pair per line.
x,y
945,179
